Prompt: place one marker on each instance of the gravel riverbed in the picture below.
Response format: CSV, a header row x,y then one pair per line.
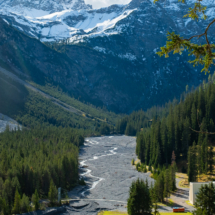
x,y
105,164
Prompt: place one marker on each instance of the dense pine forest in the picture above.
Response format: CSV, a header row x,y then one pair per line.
x,y
180,129
139,120
181,126
32,161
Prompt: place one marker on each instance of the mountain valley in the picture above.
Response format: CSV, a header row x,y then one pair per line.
x,y
106,57
93,119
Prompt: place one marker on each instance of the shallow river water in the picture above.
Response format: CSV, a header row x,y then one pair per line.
x,y
105,165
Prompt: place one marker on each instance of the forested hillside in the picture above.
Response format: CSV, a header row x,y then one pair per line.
x,y
31,159
32,109
175,127
179,129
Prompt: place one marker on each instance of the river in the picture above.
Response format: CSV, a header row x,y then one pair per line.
x,y
105,165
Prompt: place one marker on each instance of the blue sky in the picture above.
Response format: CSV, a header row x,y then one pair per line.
x,y
105,3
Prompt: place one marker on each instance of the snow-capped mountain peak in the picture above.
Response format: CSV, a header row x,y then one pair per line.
x,y
36,8
56,20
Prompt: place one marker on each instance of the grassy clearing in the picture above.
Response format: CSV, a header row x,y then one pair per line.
x,y
183,184
184,180
201,178
124,213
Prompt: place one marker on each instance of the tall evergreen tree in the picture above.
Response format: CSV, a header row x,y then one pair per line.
x,y
17,201
139,201
211,159
52,192
192,170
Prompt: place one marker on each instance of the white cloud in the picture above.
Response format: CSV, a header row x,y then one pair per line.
x,y
105,3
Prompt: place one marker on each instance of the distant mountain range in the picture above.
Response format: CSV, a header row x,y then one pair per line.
x,y
109,54
55,20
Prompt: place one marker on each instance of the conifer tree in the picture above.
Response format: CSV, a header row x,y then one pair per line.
x,y
192,170
210,159
139,201
24,205
205,200
17,201
52,192
159,187
167,184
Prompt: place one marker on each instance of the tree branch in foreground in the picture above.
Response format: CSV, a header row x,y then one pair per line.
x,y
204,54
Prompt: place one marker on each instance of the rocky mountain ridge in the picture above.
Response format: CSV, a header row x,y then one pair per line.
x,y
74,20
108,56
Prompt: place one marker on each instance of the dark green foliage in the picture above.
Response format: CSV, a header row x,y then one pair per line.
x,y
174,132
183,169
165,183
31,109
204,203
82,182
132,124
52,193
41,111
140,120
210,160
32,160
91,111
139,201
104,129
192,171
17,203
24,204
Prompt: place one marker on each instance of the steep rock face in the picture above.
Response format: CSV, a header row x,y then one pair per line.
x,y
108,56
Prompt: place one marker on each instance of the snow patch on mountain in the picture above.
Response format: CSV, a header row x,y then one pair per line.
x,y
128,56
92,24
32,8
100,49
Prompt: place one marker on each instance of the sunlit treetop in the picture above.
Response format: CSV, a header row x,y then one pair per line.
x,y
204,54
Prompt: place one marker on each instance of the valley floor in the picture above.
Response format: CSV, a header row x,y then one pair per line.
x,y
105,164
